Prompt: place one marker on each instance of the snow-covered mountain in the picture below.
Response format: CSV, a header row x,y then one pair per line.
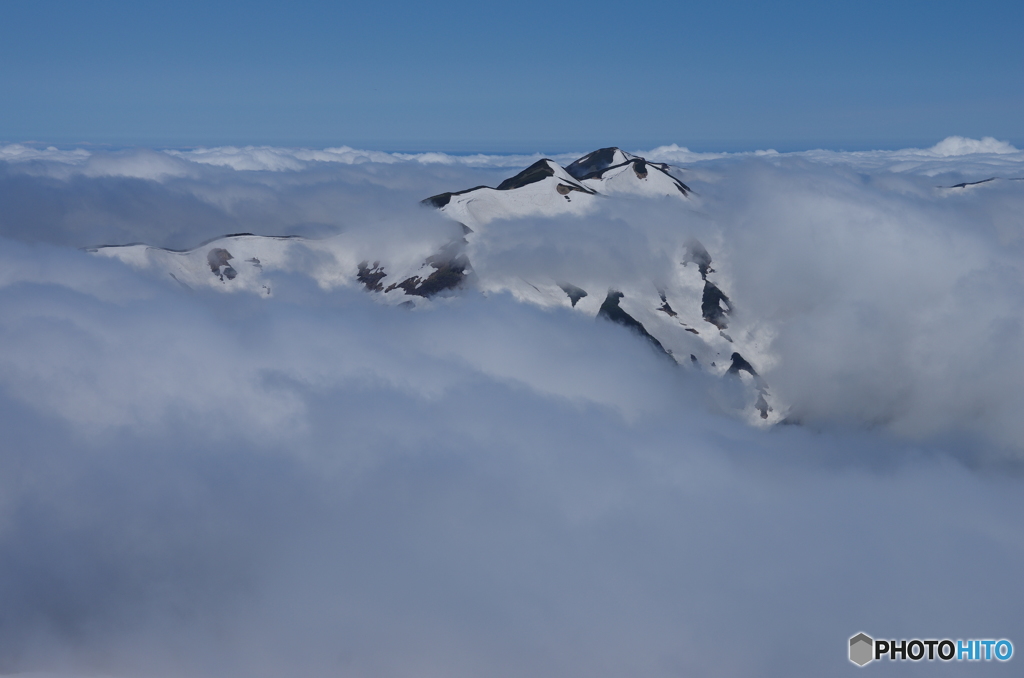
x,y
548,189
686,314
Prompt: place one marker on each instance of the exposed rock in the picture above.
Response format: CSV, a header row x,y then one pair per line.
x,y
711,305
574,293
665,308
973,183
538,171
448,274
611,310
739,364
218,259
566,189
595,161
371,276
442,199
438,201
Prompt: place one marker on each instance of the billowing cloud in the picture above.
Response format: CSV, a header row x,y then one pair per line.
x,y
314,483
963,146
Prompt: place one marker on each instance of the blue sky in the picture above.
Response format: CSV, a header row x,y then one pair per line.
x,y
511,76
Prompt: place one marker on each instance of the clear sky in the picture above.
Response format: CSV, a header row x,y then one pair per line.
x,y
511,76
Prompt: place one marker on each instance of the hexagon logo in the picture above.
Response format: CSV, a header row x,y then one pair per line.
x,y
862,649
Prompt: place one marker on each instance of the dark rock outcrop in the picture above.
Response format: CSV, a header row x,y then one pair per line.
x,y
711,305
538,171
665,308
371,276
610,310
218,259
448,274
574,293
595,161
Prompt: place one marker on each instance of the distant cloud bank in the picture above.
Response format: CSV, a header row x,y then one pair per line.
x,y
278,159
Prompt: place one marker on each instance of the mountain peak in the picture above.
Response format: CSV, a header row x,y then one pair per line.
x,y
538,171
597,161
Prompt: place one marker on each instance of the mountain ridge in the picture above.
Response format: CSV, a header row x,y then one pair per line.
x,y
684,317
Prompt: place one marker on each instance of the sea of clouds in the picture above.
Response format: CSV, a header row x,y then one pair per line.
x,y
206,484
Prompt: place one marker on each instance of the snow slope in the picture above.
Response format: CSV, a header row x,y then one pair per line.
x,y
686,314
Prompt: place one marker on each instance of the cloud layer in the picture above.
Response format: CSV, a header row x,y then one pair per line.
x,y
212,484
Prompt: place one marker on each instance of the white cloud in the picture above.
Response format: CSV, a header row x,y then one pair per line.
x,y
273,159
955,146
138,163
208,484
16,153
948,155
